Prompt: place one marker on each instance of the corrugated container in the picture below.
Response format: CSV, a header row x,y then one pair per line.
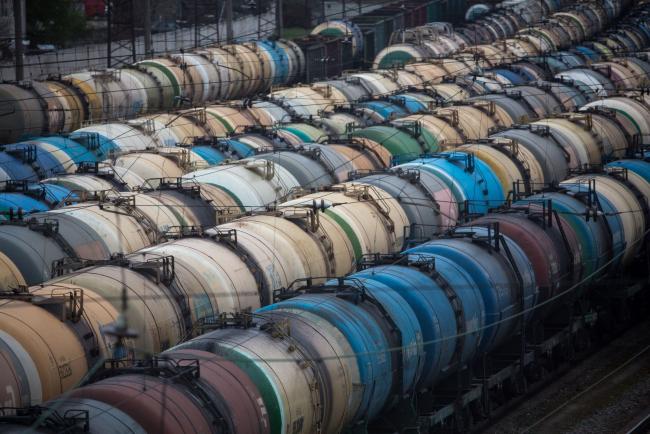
x,y
315,54
408,17
375,36
393,16
456,10
388,22
415,14
334,53
436,10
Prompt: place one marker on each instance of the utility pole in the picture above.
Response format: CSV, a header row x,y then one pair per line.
x,y
278,18
197,31
19,33
258,4
229,21
148,51
120,41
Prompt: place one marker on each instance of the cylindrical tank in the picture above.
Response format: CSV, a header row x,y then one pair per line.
x,y
377,84
236,396
148,165
203,74
547,153
306,167
293,404
208,276
304,101
175,129
231,74
417,202
473,183
98,230
404,144
98,313
374,221
234,120
504,167
154,411
10,275
299,252
496,278
591,83
173,80
105,93
544,247
24,113
432,309
144,89
622,211
32,249
54,155
592,235
42,356
578,142
254,184
106,419
402,316
15,168
365,336
153,312
628,111
114,138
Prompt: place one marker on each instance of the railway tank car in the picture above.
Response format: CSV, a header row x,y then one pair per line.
x,y
541,153
539,160
594,230
153,85
410,320
211,73
330,225
216,122
110,140
421,130
169,206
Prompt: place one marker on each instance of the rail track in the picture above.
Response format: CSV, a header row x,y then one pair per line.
x,y
608,391
642,426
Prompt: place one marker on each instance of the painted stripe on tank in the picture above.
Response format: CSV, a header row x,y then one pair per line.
x,y
168,74
231,194
356,245
265,387
12,348
226,125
